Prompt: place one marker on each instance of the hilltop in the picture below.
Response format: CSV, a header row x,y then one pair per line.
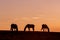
x,y
21,35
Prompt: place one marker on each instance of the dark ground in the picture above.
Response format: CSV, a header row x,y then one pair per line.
x,y
21,35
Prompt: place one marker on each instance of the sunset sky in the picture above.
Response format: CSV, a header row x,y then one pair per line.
x,y
35,12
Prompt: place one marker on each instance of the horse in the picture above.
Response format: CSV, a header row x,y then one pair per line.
x,y
14,27
44,26
29,26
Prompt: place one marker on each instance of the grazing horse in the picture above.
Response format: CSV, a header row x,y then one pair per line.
x,y
14,27
29,26
44,26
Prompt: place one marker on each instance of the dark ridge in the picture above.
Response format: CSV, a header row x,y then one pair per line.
x,y
28,35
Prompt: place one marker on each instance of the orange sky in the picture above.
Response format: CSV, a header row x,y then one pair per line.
x,y
36,12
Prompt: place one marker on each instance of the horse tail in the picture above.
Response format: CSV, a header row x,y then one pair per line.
x,y
25,28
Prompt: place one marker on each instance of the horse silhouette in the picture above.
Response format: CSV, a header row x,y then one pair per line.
x,y
14,27
29,26
44,26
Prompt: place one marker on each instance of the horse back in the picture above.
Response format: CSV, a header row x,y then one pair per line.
x,y
13,26
44,26
30,25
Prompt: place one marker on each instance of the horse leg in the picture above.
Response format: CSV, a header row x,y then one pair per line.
x,y
48,30
16,29
12,29
25,28
33,28
43,29
29,29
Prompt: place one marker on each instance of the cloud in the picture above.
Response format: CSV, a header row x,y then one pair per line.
x,y
36,18
30,18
